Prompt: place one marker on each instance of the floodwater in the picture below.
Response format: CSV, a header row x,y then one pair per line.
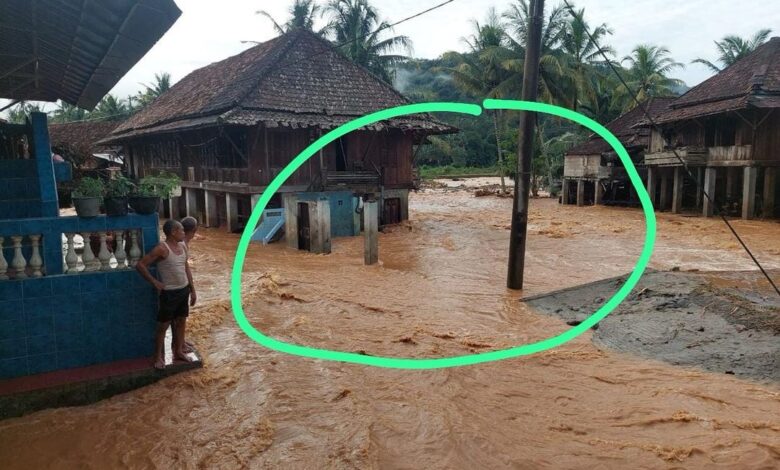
x,y
438,292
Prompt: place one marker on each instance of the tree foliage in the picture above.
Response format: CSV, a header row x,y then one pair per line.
x,y
732,48
355,27
302,14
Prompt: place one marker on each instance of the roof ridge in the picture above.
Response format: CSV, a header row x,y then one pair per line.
x,y
753,83
335,48
267,68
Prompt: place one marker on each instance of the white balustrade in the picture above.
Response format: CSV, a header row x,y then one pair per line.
x,y
125,255
3,263
71,259
87,257
119,252
18,263
135,249
36,262
77,253
104,255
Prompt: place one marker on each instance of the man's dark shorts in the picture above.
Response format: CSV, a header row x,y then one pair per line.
x,y
174,304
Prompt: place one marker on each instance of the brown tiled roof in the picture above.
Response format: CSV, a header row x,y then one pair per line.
x,y
624,130
296,79
753,81
80,137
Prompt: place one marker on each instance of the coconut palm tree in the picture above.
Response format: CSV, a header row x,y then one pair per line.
x,y
356,28
481,72
161,84
601,103
67,112
18,114
648,69
555,83
732,48
302,14
582,52
110,109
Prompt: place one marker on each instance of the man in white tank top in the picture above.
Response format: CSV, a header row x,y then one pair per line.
x,y
175,287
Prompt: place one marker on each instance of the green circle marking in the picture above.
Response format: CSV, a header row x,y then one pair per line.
x,y
404,363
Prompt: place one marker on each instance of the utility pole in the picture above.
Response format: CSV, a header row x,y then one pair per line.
x,y
525,148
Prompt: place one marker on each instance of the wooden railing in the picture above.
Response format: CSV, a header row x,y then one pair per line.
x,y
690,155
225,175
731,153
352,178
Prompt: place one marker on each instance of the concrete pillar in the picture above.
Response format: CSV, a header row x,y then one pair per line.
x,y
749,192
191,202
699,186
319,220
677,189
211,212
580,192
290,204
770,188
708,207
173,208
565,192
231,210
404,200
731,177
599,197
370,233
652,181
663,204
255,198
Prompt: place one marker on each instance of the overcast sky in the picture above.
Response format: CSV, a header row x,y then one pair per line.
x,y
209,31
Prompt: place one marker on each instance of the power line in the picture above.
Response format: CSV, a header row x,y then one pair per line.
x,y
357,38
287,64
655,126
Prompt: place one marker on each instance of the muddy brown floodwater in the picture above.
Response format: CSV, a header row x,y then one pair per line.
x,y
439,291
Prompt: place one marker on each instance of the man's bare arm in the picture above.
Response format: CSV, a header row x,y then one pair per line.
x,y
150,258
193,295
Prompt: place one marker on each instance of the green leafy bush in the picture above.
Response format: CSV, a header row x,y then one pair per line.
x,y
119,186
89,187
161,185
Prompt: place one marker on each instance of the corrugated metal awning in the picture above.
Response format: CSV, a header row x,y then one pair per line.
x,y
75,51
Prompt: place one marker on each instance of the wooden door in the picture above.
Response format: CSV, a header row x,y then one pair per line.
x,y
304,234
392,211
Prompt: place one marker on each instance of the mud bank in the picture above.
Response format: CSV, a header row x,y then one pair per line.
x,y
720,322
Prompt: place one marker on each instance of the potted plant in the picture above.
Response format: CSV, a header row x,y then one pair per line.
x,y
87,197
151,189
117,191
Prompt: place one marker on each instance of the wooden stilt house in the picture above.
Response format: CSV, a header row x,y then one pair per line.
x,y
229,128
727,131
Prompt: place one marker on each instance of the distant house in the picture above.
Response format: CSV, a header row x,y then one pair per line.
x,y
77,143
727,131
592,171
228,129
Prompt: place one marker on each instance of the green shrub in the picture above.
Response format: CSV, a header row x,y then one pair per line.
x,y
119,186
161,185
89,187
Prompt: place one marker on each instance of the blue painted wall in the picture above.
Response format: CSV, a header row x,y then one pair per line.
x,y
74,320
62,321
342,211
66,321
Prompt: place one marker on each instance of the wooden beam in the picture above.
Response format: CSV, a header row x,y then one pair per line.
x,y
233,144
17,68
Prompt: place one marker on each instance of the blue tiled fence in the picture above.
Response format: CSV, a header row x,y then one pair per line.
x,y
70,320
344,221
